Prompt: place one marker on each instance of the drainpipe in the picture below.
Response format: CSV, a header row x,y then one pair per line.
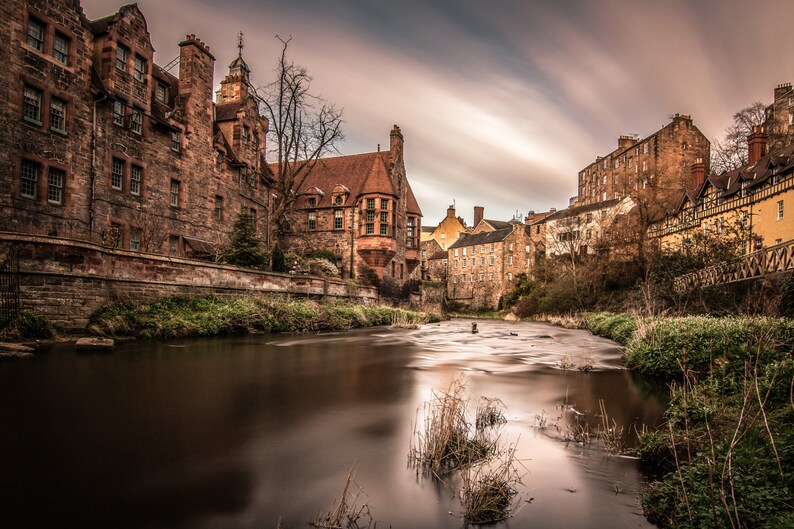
x,y
353,238
92,170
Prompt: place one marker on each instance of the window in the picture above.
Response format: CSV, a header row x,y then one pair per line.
x,y
338,201
384,203
492,247
744,218
218,207
135,239
490,276
121,57
370,216
410,232
173,245
175,193
243,175
246,134
176,142
384,230
35,34
490,261
510,276
370,203
338,221
482,261
118,113
463,263
384,217
526,249
311,202
31,105
780,210
464,251
60,48
140,69
312,220
455,263
645,165
510,260
58,115
136,174
456,252
160,93
29,183
116,174
644,149
482,276
55,179
510,247
219,161
136,121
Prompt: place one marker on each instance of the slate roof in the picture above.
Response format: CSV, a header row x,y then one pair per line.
x,y
441,254
227,111
362,174
497,224
730,182
486,237
578,210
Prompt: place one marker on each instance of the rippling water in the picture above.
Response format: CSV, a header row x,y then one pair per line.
x,y
241,432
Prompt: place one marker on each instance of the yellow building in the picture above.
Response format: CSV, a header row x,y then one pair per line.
x,y
758,196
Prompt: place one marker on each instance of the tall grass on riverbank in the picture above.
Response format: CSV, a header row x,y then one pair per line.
x,y
209,316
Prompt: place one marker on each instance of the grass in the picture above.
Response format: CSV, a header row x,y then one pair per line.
x,y
28,325
489,489
179,316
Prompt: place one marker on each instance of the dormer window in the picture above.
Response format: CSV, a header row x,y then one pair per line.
x,y
338,200
311,202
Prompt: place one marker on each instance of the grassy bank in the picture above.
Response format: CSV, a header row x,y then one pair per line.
x,y
725,457
209,316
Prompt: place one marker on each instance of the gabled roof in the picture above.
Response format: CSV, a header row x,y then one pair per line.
x,y
360,173
441,254
578,210
227,111
102,25
485,237
497,224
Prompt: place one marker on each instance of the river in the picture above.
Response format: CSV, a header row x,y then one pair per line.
x,y
241,432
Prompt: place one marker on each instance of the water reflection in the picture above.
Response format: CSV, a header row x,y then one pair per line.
x,y
239,432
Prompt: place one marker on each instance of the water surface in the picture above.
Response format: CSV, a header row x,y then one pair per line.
x,y
241,432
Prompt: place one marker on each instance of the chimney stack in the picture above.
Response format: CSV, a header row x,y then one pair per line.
x,y
698,173
479,211
451,212
756,145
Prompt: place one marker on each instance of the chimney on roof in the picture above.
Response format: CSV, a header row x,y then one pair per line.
x,y
395,146
698,173
756,145
626,141
451,212
782,90
552,210
479,211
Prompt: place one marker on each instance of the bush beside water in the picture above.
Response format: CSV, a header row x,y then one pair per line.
x,y
209,316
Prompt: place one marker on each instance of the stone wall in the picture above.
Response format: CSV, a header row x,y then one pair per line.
x,y
67,280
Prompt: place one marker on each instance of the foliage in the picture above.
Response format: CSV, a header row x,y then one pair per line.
x,y
787,301
618,327
244,247
324,253
303,127
29,325
322,267
730,151
278,262
208,316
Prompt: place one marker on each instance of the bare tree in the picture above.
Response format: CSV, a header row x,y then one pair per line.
x,y
302,127
730,152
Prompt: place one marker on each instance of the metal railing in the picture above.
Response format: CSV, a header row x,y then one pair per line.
x,y
767,261
9,287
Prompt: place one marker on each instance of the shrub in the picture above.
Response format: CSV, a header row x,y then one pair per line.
x,y
30,325
278,263
324,254
244,247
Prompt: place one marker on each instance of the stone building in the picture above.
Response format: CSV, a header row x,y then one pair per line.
x,y
779,118
754,201
586,229
483,265
657,166
100,143
360,207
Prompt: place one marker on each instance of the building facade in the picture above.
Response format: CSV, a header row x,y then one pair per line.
x,y
657,165
755,202
360,207
585,229
103,144
484,265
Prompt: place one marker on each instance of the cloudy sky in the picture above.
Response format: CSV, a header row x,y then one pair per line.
x,y
500,102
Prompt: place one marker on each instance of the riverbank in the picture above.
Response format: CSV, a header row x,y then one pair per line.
x,y
179,316
725,455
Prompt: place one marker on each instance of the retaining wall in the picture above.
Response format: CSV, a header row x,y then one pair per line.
x,y
66,280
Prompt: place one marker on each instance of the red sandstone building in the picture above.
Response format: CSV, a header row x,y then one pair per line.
x,y
660,163
100,143
360,207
